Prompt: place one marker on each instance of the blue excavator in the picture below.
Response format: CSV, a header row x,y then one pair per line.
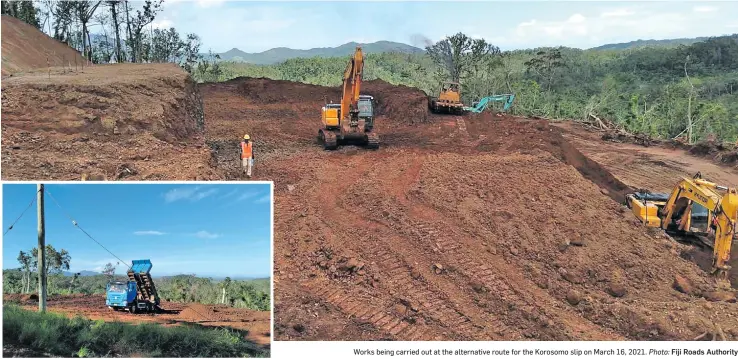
x,y
482,104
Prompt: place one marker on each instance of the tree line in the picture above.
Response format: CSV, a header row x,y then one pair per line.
x,y
251,294
687,91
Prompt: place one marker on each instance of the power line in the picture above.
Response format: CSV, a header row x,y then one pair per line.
x,y
21,215
82,229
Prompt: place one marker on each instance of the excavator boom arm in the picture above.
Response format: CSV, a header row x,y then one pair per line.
x,y
352,77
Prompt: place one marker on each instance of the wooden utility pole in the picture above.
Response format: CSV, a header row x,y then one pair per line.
x,y
41,251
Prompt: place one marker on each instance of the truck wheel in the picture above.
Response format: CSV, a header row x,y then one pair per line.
x,y
134,308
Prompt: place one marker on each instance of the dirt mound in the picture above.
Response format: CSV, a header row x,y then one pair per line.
x,y
399,104
720,152
25,48
279,91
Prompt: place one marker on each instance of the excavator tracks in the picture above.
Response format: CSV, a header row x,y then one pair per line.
x,y
372,141
328,139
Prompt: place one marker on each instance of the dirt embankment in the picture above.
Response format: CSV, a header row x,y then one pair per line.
x,y
26,48
122,121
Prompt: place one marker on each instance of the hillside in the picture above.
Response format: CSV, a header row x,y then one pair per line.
x,y
279,54
643,43
17,56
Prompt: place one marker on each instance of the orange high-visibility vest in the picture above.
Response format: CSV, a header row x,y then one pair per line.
x,y
245,150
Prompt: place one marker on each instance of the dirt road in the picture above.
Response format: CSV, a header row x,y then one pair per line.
x,y
257,323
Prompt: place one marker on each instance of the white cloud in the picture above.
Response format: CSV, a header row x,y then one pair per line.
x,y
264,199
148,233
618,13
704,9
206,235
209,3
577,19
247,195
162,24
200,195
230,194
620,25
192,193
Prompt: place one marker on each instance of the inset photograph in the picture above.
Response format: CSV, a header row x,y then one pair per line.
x,y
137,270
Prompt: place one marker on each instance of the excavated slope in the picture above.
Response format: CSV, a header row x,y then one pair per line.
x,y
124,121
25,48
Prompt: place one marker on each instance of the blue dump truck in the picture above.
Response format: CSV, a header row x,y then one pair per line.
x,y
138,294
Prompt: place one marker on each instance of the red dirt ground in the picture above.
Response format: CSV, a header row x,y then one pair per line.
x,y
257,324
458,228
18,56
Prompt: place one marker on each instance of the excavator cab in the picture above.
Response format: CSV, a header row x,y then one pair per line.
x,y
366,110
700,218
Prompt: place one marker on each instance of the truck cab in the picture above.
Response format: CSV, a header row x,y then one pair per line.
x,y
120,295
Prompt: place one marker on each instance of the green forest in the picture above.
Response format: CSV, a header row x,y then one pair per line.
x,y
252,294
653,90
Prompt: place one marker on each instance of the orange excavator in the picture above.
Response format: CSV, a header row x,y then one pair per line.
x,y
351,121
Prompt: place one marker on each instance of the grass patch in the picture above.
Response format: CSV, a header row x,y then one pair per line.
x,y
80,337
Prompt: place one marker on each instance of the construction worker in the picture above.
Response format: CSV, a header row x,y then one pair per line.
x,y
247,155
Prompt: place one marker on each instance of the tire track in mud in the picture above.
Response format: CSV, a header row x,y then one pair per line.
x,y
347,301
530,303
392,265
382,318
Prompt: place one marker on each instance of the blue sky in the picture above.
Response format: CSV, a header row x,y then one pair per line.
x,y
209,230
258,26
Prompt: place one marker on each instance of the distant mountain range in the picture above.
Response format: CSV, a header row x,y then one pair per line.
x,y
643,43
280,54
84,273
87,273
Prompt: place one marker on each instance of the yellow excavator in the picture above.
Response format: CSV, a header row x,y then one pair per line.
x,y
353,119
695,207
